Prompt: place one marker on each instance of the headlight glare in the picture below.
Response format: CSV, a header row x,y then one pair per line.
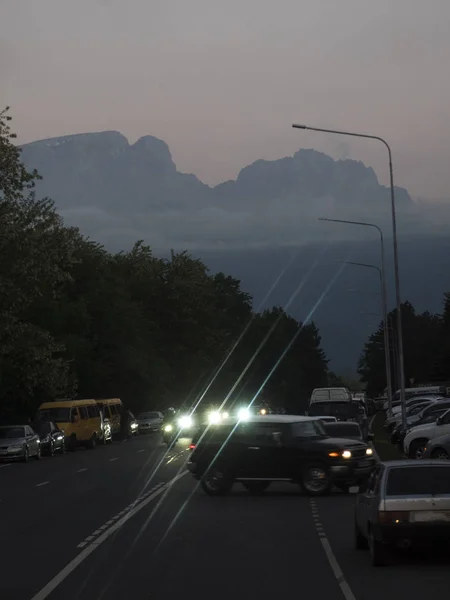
x,y
346,454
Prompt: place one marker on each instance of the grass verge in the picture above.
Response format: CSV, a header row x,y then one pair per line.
x,y
383,447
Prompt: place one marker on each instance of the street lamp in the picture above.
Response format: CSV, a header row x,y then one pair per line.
x,y
383,299
396,268
387,357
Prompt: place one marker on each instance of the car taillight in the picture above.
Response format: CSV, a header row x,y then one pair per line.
x,y
192,446
393,517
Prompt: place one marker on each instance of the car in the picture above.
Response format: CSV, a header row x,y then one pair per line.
x,y
52,438
149,422
416,440
438,448
428,414
404,503
351,431
182,425
288,448
19,442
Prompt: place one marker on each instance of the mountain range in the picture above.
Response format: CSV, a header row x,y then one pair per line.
x,y
262,227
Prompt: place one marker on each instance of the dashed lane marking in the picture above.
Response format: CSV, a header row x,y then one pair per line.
x,y
337,571
81,470
111,459
141,450
90,546
43,483
6,465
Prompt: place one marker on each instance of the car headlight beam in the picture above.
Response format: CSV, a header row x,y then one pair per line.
x,y
346,454
185,422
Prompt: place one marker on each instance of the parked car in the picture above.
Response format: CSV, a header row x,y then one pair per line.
x,y
428,414
19,442
417,439
277,448
51,437
405,503
149,422
351,431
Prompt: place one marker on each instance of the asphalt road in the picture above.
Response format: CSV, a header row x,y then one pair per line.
x,y
102,524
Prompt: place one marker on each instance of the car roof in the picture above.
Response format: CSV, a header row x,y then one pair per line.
x,y
390,464
269,419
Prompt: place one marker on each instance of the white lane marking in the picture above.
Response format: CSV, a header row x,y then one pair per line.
x,y
43,483
337,571
3,466
111,459
141,450
81,470
81,557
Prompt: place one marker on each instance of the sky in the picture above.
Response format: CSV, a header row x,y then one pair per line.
x,y
222,82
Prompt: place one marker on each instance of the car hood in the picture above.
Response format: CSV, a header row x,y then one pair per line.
x,y
332,443
148,421
12,442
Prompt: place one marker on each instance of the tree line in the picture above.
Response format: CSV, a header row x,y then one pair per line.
x,y
79,321
426,343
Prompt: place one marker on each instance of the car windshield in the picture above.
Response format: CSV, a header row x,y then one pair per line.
x,y
344,430
43,428
11,433
308,429
56,414
334,409
420,480
149,415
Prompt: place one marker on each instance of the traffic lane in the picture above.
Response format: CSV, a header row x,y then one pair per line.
x,y
199,547
50,530
20,475
409,576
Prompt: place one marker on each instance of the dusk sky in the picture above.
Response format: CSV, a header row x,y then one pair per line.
x,y
222,82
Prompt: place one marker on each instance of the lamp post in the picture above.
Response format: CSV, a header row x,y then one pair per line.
x,y
387,357
396,267
383,300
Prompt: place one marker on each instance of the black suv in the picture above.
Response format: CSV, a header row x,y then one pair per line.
x,y
278,448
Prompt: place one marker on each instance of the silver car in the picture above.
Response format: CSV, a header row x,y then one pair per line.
x,y
19,442
405,503
149,422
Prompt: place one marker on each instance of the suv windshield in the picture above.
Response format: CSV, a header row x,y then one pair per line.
x,y
343,430
423,480
11,433
308,429
57,415
347,410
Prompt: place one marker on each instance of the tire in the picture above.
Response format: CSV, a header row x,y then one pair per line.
x,y
38,455
316,480
256,487
92,443
216,482
416,449
26,455
359,541
378,552
440,454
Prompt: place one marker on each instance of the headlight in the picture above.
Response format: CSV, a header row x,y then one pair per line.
x,y
134,425
369,451
185,422
168,428
214,417
225,415
263,411
244,414
346,454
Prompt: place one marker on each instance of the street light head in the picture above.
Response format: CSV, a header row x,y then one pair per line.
x,y
296,126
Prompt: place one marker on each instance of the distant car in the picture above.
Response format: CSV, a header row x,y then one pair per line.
x,y
327,419
405,503
19,442
51,437
428,414
351,431
270,448
417,439
149,422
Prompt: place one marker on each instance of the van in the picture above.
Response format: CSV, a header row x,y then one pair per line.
x,y
331,394
112,410
80,419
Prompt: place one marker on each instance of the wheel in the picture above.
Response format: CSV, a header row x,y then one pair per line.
x,y
38,454
256,487
360,542
25,455
216,483
315,480
440,454
417,449
378,552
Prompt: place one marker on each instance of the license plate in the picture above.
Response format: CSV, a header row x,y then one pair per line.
x,y
364,463
431,516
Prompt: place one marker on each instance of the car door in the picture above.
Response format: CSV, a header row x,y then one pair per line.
x,y
366,498
261,451
32,441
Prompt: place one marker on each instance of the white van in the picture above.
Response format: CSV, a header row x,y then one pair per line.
x,y
330,394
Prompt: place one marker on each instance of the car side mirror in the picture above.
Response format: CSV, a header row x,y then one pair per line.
x,y
439,421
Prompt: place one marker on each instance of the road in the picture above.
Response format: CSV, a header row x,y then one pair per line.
x,y
103,524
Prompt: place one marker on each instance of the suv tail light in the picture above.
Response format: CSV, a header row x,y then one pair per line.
x,y
393,517
192,446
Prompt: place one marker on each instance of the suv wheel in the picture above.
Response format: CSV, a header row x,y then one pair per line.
x,y
315,480
417,448
216,483
256,487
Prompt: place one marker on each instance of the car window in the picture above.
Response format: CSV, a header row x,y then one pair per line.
x,y
92,411
83,412
58,415
445,418
257,433
12,432
420,480
308,429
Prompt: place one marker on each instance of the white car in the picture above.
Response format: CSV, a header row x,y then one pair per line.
x,y
150,422
418,437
